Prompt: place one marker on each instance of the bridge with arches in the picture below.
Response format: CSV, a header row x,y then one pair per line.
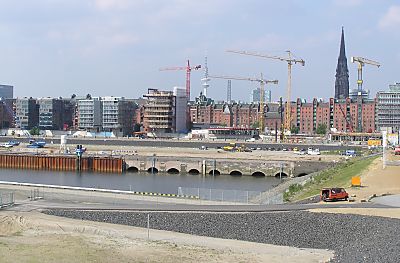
x,y
195,166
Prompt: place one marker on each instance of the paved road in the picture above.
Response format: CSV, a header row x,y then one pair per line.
x,y
106,203
184,144
389,200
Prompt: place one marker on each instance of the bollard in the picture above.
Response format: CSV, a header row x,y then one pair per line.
x,y
148,226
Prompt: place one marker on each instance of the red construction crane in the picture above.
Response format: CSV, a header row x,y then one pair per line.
x,y
349,125
188,69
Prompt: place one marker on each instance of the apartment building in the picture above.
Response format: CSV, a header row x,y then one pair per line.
x,y
118,115
388,108
50,113
159,111
89,114
26,113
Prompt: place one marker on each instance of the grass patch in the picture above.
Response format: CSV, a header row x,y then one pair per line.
x,y
338,176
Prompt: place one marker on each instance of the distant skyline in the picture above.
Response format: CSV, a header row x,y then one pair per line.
x,y
116,47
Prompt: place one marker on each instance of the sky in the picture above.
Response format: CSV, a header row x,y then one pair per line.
x,y
116,47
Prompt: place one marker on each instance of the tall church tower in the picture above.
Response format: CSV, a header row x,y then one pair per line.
x,y
342,73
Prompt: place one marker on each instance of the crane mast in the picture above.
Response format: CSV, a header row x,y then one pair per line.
x,y
290,61
361,63
262,82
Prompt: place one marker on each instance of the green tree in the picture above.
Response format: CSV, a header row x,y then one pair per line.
x,y
321,129
136,127
295,130
35,131
255,125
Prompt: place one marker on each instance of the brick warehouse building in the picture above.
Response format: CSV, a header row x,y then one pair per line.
x,y
339,114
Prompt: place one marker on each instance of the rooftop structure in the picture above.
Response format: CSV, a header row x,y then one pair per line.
x,y
6,91
159,111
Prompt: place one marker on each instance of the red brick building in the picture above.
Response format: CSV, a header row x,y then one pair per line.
x,y
339,115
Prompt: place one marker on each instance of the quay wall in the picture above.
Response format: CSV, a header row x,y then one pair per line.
x,y
61,163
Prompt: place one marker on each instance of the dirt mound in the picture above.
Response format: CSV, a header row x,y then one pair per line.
x,y
12,224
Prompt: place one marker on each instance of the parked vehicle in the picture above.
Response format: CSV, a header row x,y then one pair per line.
x,y
36,144
333,194
6,145
397,150
301,152
14,143
313,152
350,153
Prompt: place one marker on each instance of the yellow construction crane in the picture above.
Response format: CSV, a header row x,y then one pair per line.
x,y
262,82
290,62
361,62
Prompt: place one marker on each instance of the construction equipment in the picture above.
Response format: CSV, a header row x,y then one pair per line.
x,y
349,125
290,62
361,62
188,69
262,82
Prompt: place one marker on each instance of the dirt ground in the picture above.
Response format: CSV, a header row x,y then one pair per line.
x,y
185,152
374,180
377,180
35,237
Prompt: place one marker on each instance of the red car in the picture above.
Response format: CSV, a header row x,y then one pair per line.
x,y
397,150
333,194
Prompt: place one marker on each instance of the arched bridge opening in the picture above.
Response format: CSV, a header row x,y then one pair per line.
x,y
302,174
258,174
214,172
194,172
132,169
173,171
236,173
281,175
152,170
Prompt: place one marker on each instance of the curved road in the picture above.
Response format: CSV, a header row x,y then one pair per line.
x,y
182,143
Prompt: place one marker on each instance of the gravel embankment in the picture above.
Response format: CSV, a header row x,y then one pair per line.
x,y
354,238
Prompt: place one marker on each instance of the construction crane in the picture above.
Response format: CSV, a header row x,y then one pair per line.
x,y
188,69
361,62
262,82
349,125
290,61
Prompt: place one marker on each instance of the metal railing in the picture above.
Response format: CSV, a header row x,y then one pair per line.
x,y
237,196
6,199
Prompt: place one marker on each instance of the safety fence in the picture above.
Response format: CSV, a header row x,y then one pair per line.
x,y
239,196
6,199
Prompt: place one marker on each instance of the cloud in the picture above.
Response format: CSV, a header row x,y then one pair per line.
x,y
391,19
348,3
112,4
270,41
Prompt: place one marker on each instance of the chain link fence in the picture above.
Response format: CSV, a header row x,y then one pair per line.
x,y
6,199
238,196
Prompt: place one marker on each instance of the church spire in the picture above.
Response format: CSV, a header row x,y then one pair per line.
x,y
342,73
342,46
